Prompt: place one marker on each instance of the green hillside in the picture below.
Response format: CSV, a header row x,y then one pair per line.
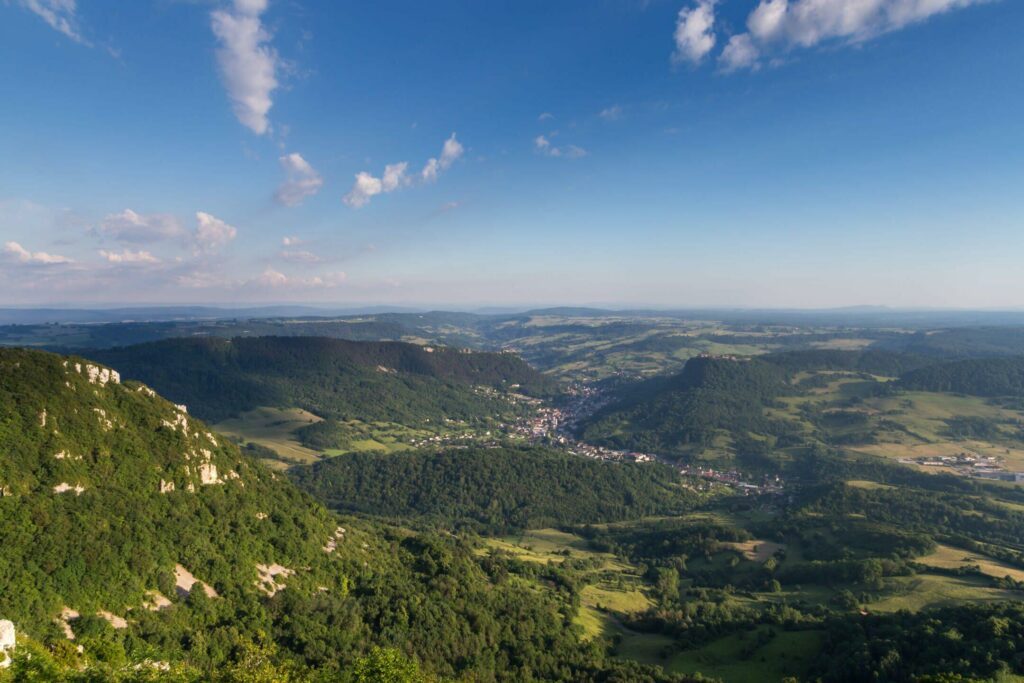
x,y
691,409
333,378
497,490
990,377
132,528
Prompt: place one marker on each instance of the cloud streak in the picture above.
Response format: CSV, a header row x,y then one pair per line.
x,y
247,62
129,257
13,251
542,145
779,26
396,176
301,180
60,15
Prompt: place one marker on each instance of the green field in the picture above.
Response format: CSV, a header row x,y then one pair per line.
x,y
614,586
273,428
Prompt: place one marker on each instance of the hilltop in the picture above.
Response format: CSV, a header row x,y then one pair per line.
x,y
691,409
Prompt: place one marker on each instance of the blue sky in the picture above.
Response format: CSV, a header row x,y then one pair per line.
x,y
618,152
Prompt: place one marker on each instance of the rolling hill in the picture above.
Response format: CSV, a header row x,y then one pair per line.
x,y
690,409
132,530
333,378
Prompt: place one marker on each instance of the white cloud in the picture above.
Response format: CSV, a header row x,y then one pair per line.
x,y
275,279
16,252
450,153
365,187
301,180
546,116
127,256
247,62
212,232
542,145
612,113
739,53
299,256
396,176
291,241
694,34
60,15
782,25
129,226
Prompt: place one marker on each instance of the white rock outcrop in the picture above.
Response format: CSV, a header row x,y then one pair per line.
x,y
208,474
268,581
64,487
7,642
184,581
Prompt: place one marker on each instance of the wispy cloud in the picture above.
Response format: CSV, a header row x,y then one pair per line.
x,y
450,153
130,226
13,251
248,63
612,113
299,256
61,15
694,34
396,176
211,232
129,257
779,26
275,279
542,145
301,180
546,116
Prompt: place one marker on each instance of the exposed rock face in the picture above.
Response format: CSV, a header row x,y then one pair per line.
x,y
208,473
96,374
268,581
114,620
64,487
67,615
6,642
184,581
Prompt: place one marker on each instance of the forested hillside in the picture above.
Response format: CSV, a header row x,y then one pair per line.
x,y
670,415
988,377
333,378
495,490
131,528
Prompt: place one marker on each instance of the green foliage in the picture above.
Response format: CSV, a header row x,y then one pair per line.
x,y
494,489
672,415
966,643
989,377
429,597
333,378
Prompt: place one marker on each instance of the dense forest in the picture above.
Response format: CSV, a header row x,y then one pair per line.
x,y
495,489
115,501
989,377
333,378
670,415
